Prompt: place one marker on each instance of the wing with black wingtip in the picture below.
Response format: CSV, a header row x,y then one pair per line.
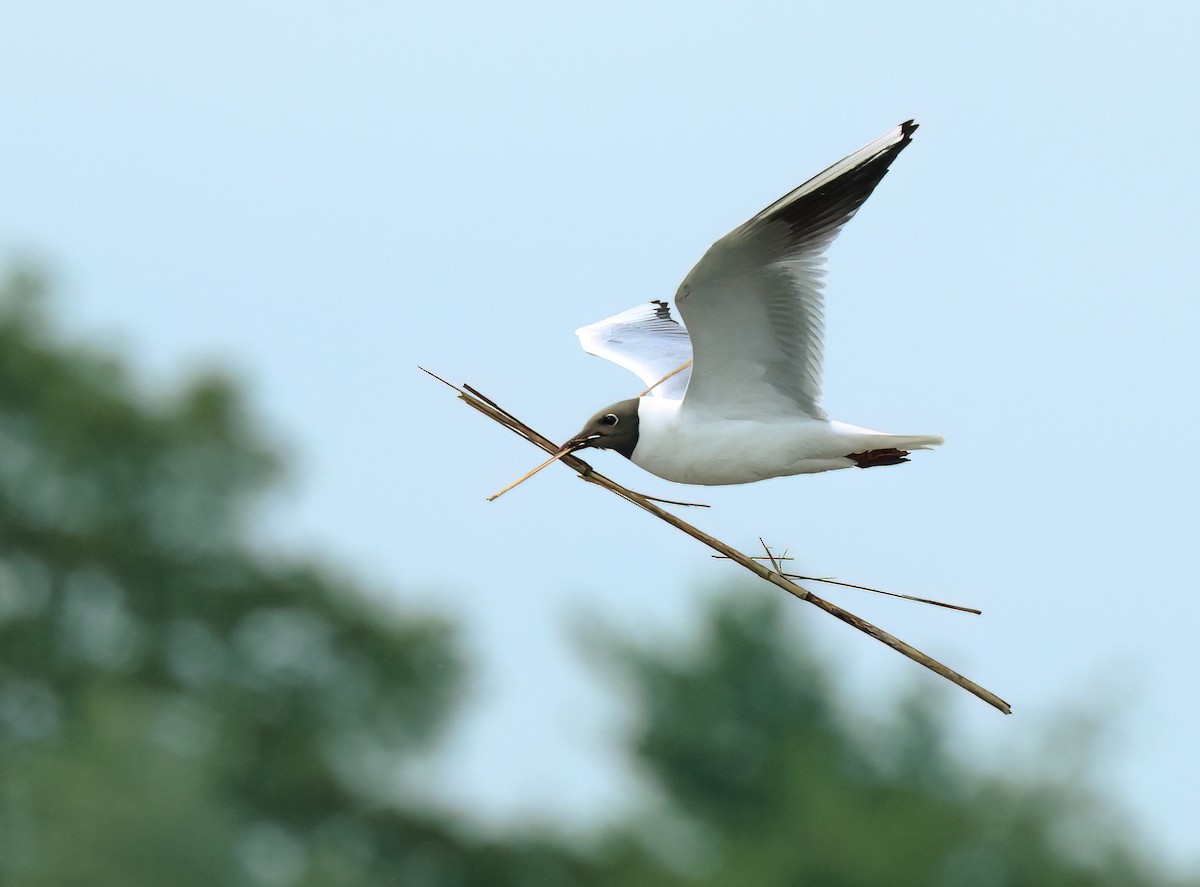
x,y
753,304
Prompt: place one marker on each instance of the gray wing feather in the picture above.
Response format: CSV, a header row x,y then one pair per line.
x,y
754,304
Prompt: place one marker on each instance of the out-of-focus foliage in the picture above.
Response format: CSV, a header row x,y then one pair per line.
x,y
175,706
774,785
178,707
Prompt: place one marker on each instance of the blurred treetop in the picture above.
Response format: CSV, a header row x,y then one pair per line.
x,y
175,706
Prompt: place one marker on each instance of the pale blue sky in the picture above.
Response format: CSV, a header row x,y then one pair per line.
x,y
325,195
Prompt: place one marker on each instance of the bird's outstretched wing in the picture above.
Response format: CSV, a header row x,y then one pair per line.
x,y
753,304
645,340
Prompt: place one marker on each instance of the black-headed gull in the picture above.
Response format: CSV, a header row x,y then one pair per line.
x,y
748,408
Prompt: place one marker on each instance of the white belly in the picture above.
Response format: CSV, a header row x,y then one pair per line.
x,y
713,451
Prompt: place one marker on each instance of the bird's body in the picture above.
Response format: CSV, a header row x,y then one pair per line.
x,y
692,447
749,406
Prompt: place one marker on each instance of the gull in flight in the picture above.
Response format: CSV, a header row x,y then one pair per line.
x,y
744,402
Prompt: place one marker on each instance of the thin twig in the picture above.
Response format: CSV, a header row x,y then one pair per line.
x,y
675,372
676,502
775,577
907,597
528,474
759,557
436,376
832,581
770,556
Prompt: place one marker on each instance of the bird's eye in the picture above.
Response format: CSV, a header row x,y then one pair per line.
x,y
610,419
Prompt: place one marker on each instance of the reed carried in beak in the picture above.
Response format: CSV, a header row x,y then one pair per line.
x,y
566,449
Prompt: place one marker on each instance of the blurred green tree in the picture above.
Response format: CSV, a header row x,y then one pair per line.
x,y
176,706
769,782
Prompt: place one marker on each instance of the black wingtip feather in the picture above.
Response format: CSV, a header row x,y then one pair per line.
x,y
821,212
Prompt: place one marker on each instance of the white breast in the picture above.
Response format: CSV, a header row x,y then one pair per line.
x,y
691,447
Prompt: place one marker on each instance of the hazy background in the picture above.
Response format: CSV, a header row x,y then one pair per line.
x,y
323,197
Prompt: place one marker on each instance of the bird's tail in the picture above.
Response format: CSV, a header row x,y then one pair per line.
x,y
911,441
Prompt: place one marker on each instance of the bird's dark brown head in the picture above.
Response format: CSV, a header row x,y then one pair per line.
x,y
613,428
